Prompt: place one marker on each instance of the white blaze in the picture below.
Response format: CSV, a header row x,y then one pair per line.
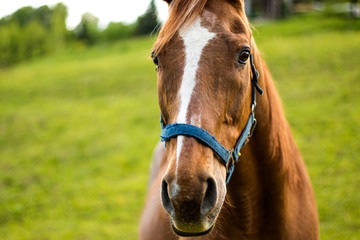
x,y
195,38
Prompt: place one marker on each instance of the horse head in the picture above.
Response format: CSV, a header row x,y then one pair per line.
x,y
204,79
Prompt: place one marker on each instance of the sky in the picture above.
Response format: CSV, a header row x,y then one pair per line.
x,y
106,10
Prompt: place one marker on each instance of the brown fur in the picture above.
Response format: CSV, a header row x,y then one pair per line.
x,y
270,194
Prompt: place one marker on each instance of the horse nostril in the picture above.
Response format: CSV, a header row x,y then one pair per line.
x,y
210,197
165,199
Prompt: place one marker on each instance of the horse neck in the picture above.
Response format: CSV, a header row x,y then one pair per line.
x,y
270,164
273,144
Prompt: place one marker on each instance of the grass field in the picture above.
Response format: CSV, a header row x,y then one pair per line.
x,y
77,131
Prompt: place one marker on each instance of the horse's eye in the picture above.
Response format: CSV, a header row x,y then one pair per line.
x,y
155,59
244,56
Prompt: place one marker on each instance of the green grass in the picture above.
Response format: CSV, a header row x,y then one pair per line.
x,y
77,131
76,135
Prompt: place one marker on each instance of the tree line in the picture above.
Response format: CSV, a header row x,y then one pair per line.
x,y
31,32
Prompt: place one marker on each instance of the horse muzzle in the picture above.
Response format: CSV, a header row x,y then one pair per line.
x,y
193,207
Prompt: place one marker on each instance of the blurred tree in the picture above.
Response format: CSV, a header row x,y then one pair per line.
x,y
22,16
273,8
88,30
354,8
30,32
35,40
43,15
270,9
148,22
119,30
10,41
58,26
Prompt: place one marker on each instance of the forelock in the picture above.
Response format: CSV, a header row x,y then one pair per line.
x,y
182,13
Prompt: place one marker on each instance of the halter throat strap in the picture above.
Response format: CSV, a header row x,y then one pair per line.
x,y
229,157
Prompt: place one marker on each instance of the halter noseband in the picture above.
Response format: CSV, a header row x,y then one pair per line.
x,y
229,157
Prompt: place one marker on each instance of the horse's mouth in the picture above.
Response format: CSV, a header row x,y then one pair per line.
x,y
190,234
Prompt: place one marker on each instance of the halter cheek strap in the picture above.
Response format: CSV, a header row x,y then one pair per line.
x,y
229,157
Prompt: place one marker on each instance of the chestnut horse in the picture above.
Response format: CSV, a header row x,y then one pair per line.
x,y
210,80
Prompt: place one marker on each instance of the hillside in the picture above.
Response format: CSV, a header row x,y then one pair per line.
x,y
77,130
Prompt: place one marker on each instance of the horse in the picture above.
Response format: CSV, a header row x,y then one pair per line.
x,y
214,175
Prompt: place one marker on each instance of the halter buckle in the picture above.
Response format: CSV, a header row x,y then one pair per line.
x,y
252,128
253,106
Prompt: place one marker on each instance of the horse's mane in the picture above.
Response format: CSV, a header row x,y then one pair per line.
x,y
283,146
181,14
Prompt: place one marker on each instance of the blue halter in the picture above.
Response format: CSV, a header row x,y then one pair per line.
x,y
229,157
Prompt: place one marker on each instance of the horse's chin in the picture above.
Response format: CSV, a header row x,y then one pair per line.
x,y
191,233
